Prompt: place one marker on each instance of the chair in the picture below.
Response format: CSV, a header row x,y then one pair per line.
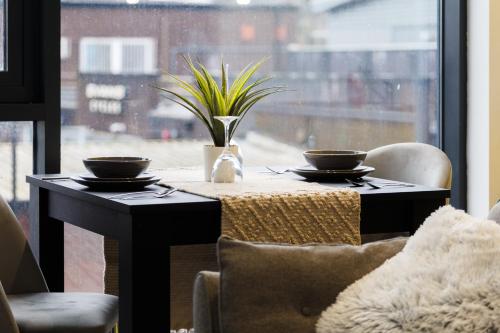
x,y
494,213
411,162
26,305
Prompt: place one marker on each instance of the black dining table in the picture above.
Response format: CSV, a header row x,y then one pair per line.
x,y
146,228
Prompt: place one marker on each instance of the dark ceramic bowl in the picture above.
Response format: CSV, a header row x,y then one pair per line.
x,y
116,167
335,159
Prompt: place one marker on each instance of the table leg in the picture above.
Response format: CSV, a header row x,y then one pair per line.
x,y
47,239
144,285
421,210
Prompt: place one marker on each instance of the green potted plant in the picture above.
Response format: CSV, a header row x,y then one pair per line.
x,y
208,98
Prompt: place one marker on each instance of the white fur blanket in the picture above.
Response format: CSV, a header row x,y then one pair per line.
x,y
446,279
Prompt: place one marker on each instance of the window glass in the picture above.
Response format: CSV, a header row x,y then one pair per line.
x,y
3,39
359,73
65,48
96,56
16,149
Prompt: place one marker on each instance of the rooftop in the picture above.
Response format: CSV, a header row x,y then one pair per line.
x,y
203,3
316,5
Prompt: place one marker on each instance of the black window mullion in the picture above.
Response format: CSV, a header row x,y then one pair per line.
x,y
14,30
453,54
47,133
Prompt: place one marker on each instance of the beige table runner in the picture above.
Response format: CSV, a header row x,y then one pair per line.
x,y
275,208
264,207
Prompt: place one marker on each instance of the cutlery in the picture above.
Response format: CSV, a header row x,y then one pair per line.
x,y
355,184
377,186
391,183
359,184
373,185
164,185
278,172
162,194
55,178
119,195
154,192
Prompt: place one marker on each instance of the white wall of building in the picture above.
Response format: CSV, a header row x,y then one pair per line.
x,y
385,21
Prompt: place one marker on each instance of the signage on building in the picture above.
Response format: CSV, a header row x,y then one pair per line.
x,y
105,98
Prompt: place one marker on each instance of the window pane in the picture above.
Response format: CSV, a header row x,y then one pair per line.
x,y
96,56
3,39
65,48
138,56
133,59
16,149
360,74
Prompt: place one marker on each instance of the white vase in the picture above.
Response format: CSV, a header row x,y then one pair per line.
x,y
211,153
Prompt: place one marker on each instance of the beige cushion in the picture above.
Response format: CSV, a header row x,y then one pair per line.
x,y
270,288
64,312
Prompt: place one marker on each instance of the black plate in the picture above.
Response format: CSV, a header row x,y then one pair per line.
x,y
333,175
116,186
142,176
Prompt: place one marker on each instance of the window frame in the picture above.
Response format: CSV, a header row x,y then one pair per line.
x,y
17,82
453,94
40,100
12,75
30,88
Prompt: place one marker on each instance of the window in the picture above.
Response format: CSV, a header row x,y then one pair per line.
x,y
26,65
19,64
361,74
117,56
353,83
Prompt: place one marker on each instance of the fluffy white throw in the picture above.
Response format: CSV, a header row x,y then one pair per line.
x,y
446,279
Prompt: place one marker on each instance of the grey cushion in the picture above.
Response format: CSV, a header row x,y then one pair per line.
x,y
270,288
64,312
206,302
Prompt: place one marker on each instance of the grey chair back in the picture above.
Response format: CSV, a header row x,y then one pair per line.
x,y
19,271
494,213
7,321
416,163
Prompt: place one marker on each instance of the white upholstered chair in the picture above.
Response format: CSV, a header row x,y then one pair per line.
x,y
411,162
26,305
494,214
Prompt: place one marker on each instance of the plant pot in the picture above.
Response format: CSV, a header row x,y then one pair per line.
x,y
211,153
